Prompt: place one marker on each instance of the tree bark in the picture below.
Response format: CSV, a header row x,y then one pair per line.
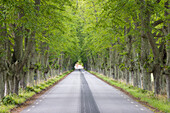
x,y
145,13
168,86
156,74
18,54
7,82
16,85
127,76
167,69
2,85
146,80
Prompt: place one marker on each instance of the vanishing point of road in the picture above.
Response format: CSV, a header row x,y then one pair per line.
x,y
82,92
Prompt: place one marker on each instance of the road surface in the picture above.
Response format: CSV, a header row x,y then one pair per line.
x,y
82,92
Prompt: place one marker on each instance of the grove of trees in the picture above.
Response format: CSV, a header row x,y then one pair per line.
x,y
37,42
127,40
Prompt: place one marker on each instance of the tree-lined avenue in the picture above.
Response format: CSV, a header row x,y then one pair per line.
x,y
127,41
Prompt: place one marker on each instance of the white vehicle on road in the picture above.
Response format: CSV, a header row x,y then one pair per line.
x,y
78,66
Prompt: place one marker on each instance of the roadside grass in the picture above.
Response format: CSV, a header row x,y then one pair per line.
x,y
6,108
11,101
141,95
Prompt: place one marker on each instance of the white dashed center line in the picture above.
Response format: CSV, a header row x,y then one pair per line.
x,y
141,109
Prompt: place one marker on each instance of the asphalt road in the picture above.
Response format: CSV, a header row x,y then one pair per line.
x,y
81,92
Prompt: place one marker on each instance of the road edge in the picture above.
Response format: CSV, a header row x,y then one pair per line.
x,y
144,103
31,100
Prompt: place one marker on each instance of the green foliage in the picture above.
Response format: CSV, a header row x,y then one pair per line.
x,y
8,100
142,91
26,94
37,90
37,66
83,31
6,109
29,89
51,81
51,26
122,66
12,100
18,99
25,69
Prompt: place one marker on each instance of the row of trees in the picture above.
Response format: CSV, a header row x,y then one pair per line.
x,y
37,41
128,40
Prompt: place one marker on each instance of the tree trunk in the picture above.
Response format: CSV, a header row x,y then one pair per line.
x,y
145,15
24,80
32,77
167,70
140,79
115,72
127,76
12,84
18,53
2,85
8,89
3,53
168,86
16,85
132,77
146,80
157,74
136,81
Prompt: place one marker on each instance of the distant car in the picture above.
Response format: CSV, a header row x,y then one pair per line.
x,y
77,66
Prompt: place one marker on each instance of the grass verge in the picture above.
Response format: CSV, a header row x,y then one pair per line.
x,y
11,101
147,98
